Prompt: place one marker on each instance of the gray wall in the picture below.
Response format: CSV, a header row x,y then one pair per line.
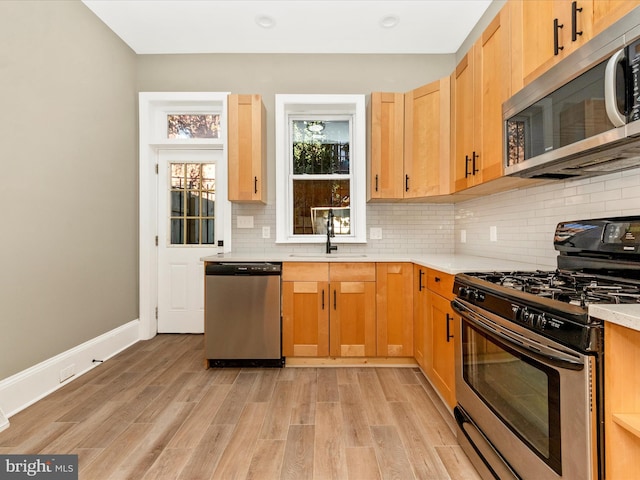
x,y
68,182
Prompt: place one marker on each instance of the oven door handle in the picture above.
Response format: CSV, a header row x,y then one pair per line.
x,y
522,344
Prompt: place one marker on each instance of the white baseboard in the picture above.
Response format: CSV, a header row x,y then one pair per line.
x,y
4,421
24,388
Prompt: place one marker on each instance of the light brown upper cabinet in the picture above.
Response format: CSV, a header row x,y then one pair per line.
x,y
247,169
386,148
545,31
606,12
410,143
481,84
427,140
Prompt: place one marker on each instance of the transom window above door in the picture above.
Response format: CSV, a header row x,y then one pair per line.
x,y
320,168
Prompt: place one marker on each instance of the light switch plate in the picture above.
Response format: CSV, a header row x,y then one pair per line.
x,y
245,221
463,236
266,232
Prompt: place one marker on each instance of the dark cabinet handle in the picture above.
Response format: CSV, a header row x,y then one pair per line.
x,y
335,301
556,37
420,286
574,21
323,299
376,182
255,184
437,279
449,336
474,170
406,183
466,166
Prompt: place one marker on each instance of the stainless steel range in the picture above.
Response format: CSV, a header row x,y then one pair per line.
x,y
530,363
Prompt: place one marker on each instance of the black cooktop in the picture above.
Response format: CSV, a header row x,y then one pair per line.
x,y
575,288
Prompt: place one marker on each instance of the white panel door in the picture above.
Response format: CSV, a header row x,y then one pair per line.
x,y
188,220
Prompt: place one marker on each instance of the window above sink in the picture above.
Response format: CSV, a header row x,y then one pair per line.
x,y
320,165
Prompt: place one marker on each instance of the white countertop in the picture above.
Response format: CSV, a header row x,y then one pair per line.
x,y
627,315
447,263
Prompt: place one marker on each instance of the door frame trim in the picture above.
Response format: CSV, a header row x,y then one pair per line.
x,y
151,106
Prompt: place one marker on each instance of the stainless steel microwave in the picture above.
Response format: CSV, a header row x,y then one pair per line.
x,y
582,117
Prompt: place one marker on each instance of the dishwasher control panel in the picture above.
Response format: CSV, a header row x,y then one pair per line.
x,y
242,268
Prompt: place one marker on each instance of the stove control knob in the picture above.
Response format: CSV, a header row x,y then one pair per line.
x,y
540,321
522,314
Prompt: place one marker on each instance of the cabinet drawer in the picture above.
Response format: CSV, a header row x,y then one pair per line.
x,y
305,271
440,283
352,272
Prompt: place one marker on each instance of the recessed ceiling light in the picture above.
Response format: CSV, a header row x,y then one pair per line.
x,y
389,21
265,21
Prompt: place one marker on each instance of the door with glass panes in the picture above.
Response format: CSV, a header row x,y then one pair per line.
x,y
187,213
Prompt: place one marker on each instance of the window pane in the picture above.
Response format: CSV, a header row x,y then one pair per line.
x,y
193,126
193,204
208,232
177,204
208,204
312,200
193,231
320,147
177,232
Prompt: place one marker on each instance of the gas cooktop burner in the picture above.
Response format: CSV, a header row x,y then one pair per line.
x,y
568,287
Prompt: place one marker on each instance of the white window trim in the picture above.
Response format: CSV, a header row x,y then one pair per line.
x,y
324,105
153,107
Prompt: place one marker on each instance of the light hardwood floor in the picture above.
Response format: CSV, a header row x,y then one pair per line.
x,y
154,412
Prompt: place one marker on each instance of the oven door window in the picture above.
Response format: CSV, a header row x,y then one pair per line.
x,y
522,392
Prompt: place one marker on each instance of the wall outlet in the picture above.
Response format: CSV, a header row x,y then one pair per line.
x,y
493,233
375,233
67,372
266,232
244,221
463,236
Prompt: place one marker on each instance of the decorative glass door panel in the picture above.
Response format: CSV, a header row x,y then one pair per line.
x,y
192,203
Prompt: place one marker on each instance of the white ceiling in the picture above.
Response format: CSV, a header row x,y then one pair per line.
x,y
292,26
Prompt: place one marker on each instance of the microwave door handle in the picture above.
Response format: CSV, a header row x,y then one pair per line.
x,y
617,118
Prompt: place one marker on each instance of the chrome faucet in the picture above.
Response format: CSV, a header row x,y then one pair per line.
x,y
330,233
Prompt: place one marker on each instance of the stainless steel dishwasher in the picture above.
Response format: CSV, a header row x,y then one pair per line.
x,y
242,315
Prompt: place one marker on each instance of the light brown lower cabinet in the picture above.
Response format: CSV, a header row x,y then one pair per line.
x,y
435,329
394,294
621,402
329,309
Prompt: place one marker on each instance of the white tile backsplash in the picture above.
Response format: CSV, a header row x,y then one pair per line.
x,y
406,228
526,218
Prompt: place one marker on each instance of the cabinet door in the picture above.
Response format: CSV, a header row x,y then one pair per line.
x,y
247,148
492,88
427,140
386,156
305,319
441,335
463,112
606,12
394,282
353,319
546,31
305,309
419,315
352,324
